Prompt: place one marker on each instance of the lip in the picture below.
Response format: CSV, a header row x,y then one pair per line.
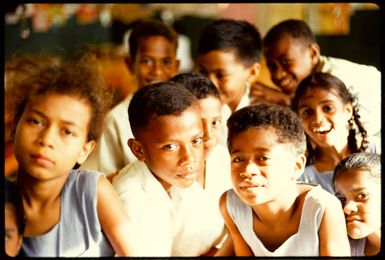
x,y
188,175
352,219
42,160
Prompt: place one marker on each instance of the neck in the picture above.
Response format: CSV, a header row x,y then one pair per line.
x,y
37,193
332,154
373,243
280,209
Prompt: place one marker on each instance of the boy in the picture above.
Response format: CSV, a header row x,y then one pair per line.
x,y
267,212
165,204
357,181
152,46
14,219
229,53
292,54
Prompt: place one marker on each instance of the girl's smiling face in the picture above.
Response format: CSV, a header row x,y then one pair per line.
x,y
324,116
360,196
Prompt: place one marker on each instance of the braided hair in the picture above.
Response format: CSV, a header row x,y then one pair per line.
x,y
329,82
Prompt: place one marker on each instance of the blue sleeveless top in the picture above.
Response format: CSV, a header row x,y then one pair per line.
x,y
78,232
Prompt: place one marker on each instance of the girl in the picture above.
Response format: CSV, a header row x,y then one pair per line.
x,y
58,113
357,181
332,123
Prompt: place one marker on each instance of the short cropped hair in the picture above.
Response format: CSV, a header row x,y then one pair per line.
x,y
148,28
201,86
158,99
232,35
370,162
287,125
72,78
293,28
13,196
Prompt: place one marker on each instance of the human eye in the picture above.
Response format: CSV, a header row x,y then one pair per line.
x,y
167,62
216,122
170,147
197,140
34,121
68,132
263,158
306,113
145,61
286,62
341,199
363,196
237,159
328,108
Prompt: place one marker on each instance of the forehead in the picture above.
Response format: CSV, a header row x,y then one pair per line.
x,y
285,45
355,178
219,60
321,94
210,105
156,45
166,127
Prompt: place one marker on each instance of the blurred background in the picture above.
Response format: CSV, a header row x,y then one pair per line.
x,y
344,30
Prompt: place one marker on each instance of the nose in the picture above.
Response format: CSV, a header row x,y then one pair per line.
x,y
188,155
251,170
207,131
157,69
277,73
46,137
318,117
350,207
213,79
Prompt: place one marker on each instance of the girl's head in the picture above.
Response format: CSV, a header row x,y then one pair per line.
x,y
210,104
329,112
14,219
357,182
64,78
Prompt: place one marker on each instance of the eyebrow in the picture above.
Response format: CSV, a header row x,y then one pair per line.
x,y
323,101
33,110
254,150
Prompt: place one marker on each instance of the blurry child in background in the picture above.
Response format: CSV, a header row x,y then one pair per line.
x,y
292,54
229,53
331,118
267,212
14,219
170,213
357,181
58,113
152,58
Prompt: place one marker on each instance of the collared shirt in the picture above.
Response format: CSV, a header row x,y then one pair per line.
x,y
181,223
111,152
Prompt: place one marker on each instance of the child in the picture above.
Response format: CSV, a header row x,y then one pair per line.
x,y
292,54
267,212
58,113
152,46
228,53
330,116
14,221
357,181
170,211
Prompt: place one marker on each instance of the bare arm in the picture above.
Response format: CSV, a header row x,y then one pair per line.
x,y
113,218
332,232
260,93
240,246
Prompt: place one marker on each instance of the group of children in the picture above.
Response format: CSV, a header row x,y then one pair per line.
x,y
172,187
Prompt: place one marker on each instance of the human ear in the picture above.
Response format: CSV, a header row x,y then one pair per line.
x,y
314,53
254,71
86,150
299,166
136,148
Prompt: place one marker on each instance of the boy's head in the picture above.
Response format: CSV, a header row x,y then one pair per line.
x,y
229,53
152,46
266,144
357,182
64,78
165,121
210,106
14,219
291,53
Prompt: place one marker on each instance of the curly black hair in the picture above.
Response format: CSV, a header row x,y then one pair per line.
x,y
287,125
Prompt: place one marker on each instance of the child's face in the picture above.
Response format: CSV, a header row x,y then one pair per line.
x,y
360,195
13,239
227,74
325,117
261,168
211,114
172,147
289,62
155,60
51,136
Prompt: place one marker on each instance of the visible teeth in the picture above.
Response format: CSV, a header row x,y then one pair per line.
x,y
322,129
